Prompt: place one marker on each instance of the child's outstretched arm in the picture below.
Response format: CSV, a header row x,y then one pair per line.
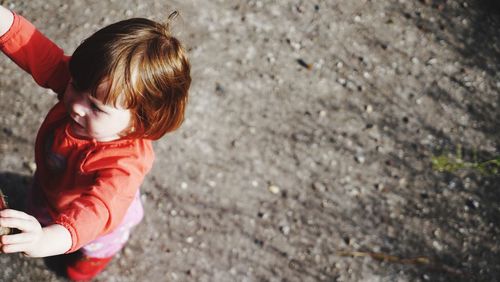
x,y
34,240
33,51
6,20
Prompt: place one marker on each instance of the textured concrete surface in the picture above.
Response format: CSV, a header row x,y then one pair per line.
x,y
306,152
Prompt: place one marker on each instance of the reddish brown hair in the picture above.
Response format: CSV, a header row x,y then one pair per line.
x,y
147,70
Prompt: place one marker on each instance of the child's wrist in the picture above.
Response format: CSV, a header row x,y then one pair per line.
x,y
59,238
53,240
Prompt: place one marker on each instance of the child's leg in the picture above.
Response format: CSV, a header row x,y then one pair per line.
x,y
97,254
110,244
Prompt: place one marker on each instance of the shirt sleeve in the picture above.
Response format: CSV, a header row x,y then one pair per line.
x,y
103,205
36,54
99,210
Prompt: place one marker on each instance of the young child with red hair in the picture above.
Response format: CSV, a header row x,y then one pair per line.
x,y
124,86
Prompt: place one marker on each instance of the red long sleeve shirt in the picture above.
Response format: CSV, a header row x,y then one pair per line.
x,y
86,185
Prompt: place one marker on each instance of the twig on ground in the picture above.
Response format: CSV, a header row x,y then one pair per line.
x,y
425,261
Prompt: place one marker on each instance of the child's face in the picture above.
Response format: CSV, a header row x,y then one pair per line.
x,y
91,119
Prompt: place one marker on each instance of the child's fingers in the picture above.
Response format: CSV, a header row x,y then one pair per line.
x,y
14,213
16,239
19,223
14,248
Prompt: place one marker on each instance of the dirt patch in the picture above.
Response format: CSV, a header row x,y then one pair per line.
x,y
306,152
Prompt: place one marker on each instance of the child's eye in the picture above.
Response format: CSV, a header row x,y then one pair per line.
x,y
96,108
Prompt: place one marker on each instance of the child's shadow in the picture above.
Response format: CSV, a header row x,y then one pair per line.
x,y
15,187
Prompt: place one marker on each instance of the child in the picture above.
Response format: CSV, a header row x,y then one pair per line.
x,y
123,87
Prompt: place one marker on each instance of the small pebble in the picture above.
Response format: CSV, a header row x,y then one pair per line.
x,y
31,166
274,189
432,61
128,252
325,204
402,181
437,233
472,204
342,81
359,159
285,229
437,245
270,58
295,45
318,186
379,186
219,89
369,108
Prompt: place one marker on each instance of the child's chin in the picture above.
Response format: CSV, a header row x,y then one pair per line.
x,y
79,130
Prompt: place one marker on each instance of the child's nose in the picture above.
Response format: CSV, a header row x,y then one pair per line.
x,y
79,109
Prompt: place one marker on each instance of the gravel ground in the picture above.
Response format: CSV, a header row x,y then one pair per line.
x,y
306,152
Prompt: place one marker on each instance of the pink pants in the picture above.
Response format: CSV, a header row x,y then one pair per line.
x,y
103,246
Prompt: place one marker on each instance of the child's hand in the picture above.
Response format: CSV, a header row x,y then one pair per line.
x,y
33,241
28,240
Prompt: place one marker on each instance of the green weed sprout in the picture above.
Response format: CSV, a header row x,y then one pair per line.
x,y
448,162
